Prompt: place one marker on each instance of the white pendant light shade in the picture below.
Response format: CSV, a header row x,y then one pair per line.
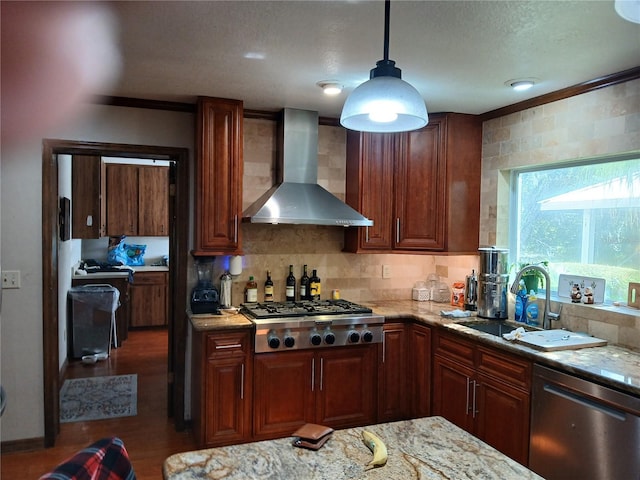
x,y
384,104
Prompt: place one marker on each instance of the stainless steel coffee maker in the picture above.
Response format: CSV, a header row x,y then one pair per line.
x,y
493,282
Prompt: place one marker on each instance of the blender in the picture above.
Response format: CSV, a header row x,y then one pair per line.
x,y
205,297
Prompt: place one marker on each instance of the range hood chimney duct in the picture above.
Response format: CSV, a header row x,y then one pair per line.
x,y
297,198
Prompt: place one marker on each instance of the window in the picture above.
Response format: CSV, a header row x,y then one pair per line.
x,y
583,219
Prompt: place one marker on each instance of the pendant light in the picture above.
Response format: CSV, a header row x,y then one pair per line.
x,y
384,103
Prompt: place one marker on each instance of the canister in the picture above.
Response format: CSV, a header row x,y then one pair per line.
x,y
493,281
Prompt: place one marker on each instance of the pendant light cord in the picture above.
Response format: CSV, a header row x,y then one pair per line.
x,y
387,10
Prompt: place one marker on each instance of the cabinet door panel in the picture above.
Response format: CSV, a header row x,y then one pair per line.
x,y
87,198
122,199
420,190
377,185
219,176
153,201
392,391
148,304
452,397
225,421
503,421
347,386
284,393
420,391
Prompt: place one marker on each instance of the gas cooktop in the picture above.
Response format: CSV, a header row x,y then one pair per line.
x,y
304,308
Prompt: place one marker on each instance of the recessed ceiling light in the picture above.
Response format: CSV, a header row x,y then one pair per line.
x,y
521,84
330,87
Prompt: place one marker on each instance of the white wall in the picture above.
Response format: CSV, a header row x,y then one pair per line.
x,y
68,255
21,362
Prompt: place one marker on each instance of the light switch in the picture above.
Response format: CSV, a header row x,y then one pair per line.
x,y
11,279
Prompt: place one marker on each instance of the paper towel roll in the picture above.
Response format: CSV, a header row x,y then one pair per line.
x,y
235,265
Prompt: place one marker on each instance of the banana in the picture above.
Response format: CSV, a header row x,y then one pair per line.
x,y
378,448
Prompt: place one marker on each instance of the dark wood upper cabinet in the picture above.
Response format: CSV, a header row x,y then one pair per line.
x,y
137,200
122,199
218,205
153,201
88,205
420,188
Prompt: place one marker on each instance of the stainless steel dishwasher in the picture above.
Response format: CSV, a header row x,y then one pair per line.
x,y
580,429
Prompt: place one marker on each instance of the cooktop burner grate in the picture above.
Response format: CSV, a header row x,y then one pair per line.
x,y
303,308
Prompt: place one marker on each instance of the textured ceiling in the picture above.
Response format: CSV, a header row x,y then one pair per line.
x,y
458,54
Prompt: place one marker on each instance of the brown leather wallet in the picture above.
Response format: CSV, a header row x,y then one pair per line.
x,y
311,436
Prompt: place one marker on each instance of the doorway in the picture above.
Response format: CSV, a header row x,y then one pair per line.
x,y
178,250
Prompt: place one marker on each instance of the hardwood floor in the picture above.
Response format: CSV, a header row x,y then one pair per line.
x,y
149,437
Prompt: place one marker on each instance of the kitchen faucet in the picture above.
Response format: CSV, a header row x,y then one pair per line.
x,y
548,314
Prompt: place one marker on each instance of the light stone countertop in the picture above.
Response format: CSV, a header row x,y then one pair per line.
x,y
610,365
424,448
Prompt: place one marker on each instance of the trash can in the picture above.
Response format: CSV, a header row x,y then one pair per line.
x,y
93,319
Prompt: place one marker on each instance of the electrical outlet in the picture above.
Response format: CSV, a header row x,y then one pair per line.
x,y
11,279
386,271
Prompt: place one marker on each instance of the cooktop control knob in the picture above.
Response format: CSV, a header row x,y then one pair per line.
x,y
316,339
354,337
289,341
367,336
329,338
273,340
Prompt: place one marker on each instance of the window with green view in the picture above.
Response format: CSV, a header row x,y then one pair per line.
x,y
583,219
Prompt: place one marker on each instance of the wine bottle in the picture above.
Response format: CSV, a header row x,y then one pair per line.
x,y
304,285
268,288
315,286
290,292
251,290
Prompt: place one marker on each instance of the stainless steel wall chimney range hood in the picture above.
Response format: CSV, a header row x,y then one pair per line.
x,y
297,198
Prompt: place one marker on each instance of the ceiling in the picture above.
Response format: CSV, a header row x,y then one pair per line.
x,y
458,54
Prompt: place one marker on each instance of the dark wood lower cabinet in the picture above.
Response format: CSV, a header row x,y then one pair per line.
x,y
284,391
333,386
393,400
405,372
485,391
239,396
221,378
419,350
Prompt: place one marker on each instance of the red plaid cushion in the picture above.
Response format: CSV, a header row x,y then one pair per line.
x,y
106,459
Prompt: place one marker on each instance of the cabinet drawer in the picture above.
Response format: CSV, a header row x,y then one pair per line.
x,y
150,278
508,368
226,344
455,348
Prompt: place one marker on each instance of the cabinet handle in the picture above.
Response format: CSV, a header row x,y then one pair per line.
x,y
384,346
321,372
235,228
313,374
231,345
242,382
476,385
366,234
398,230
467,407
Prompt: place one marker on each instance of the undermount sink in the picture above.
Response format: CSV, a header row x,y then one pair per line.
x,y
495,327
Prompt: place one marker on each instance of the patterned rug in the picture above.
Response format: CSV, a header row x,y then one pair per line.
x,y
98,398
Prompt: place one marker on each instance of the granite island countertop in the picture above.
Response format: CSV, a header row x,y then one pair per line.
x,y
428,447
